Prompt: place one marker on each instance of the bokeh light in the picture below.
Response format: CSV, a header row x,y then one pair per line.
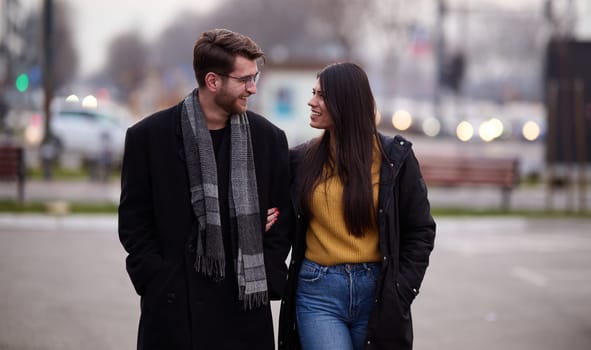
x,y
22,82
90,102
490,129
402,120
72,98
464,131
34,133
497,126
531,131
431,127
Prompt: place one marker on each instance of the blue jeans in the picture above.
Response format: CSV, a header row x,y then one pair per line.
x,y
333,304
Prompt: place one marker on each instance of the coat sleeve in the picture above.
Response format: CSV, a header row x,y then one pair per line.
x,y
136,217
417,227
276,243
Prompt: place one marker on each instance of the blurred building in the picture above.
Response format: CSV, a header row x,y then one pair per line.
x,y
12,48
20,73
12,42
283,95
568,100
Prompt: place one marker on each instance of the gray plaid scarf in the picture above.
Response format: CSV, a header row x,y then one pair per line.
x,y
243,201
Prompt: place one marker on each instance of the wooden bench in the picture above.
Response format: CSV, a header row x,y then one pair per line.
x,y
12,167
454,171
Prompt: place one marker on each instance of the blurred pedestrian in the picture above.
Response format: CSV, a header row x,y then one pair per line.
x,y
364,231
101,164
196,183
49,152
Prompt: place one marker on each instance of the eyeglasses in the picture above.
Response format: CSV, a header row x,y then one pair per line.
x,y
249,79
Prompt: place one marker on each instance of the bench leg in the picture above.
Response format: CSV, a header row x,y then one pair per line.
x,y
21,190
22,175
506,198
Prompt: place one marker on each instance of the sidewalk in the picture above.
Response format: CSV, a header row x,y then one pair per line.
x,y
492,283
81,191
522,198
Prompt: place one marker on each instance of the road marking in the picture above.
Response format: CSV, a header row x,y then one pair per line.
x,y
529,276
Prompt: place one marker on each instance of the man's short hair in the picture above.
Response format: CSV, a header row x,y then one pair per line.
x,y
216,50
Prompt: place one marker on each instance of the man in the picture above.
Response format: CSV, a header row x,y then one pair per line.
x,y
196,183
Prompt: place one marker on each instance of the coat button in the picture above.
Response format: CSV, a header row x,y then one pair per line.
x,y
170,298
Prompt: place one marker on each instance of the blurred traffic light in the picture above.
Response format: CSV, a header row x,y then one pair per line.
x,y
22,82
452,71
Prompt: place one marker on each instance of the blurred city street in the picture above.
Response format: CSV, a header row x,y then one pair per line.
x,y
475,82
493,283
522,197
507,283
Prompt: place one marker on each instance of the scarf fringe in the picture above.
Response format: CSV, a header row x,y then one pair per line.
x,y
211,266
255,300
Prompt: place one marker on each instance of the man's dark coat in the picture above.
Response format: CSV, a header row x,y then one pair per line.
x,y
180,308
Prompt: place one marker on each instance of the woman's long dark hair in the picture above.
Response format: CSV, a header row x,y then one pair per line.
x,y
351,104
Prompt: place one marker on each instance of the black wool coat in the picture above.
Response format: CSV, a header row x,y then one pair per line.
x,y
406,237
180,308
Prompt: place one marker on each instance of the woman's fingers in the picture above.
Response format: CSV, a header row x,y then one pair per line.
x,y
272,215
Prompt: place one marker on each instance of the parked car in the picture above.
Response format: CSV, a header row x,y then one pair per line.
x,y
89,135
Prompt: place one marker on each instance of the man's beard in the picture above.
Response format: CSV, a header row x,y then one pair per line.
x,y
229,103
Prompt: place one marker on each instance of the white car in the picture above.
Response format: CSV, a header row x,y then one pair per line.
x,y
86,134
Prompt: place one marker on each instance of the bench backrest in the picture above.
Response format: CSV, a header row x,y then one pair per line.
x,y
446,170
11,162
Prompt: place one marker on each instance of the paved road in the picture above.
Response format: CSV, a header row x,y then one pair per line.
x,y
504,283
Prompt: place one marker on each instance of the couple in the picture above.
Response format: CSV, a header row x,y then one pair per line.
x,y
206,255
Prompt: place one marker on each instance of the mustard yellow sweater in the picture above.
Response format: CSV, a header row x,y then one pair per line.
x,y
328,240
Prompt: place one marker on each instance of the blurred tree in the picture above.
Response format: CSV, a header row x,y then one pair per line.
x,y
184,29
375,32
341,20
66,61
508,56
65,57
389,22
126,64
305,30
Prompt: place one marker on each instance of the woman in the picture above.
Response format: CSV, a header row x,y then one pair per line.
x,y
363,231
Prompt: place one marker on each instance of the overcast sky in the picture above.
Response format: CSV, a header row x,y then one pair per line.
x,y
95,22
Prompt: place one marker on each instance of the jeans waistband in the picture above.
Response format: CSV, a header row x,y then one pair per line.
x,y
348,267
